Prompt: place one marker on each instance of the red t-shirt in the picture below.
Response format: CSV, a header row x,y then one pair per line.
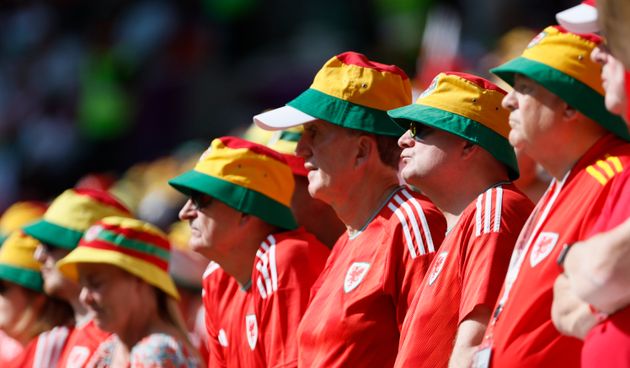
x,y
362,296
81,345
43,351
257,327
468,271
523,334
608,343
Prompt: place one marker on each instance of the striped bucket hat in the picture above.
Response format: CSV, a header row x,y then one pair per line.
x,y
18,215
71,213
17,263
135,246
285,142
246,176
467,106
350,91
560,61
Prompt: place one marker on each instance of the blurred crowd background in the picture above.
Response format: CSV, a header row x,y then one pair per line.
x,y
123,94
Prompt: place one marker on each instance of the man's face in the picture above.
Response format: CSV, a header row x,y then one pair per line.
x,y
613,78
213,226
55,283
427,156
534,111
329,153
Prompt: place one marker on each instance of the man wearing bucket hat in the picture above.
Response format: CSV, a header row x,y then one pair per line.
x,y
257,287
351,154
458,133
122,266
18,215
558,116
58,232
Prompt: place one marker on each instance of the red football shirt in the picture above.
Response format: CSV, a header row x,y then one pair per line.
x,y
522,334
257,327
608,343
468,271
362,296
43,351
81,345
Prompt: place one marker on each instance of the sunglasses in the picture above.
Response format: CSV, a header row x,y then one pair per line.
x,y
200,200
3,287
419,131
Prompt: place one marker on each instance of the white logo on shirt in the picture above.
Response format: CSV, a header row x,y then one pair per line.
x,y
355,274
223,341
252,330
77,357
438,264
542,247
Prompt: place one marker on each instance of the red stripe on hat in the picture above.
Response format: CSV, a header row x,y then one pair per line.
x,y
142,236
354,58
596,39
235,142
100,244
483,83
296,164
103,197
590,2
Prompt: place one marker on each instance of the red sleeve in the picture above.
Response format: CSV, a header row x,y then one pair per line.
x,y
487,255
283,309
215,350
414,253
617,206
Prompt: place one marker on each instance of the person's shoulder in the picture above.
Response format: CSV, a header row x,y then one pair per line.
x,y
296,243
161,350
407,207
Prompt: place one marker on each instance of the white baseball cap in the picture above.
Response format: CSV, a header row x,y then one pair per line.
x,y
581,18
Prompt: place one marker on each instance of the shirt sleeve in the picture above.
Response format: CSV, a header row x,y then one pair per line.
x,y
487,257
415,240
283,309
215,351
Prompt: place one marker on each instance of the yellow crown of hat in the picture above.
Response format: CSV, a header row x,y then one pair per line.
x,y
246,176
133,245
71,213
17,262
560,61
18,215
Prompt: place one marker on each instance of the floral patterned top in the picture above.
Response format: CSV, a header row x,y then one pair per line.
x,y
157,350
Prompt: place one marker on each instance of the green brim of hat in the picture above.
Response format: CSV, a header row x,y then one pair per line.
x,y
577,94
53,234
28,278
344,113
461,126
240,198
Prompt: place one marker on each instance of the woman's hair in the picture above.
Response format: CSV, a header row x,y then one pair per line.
x,y
168,311
40,317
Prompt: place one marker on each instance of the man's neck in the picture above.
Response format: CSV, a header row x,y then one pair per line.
x,y
240,260
364,201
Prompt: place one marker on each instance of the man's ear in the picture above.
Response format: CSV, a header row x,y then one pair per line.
x,y
366,146
569,112
468,149
245,218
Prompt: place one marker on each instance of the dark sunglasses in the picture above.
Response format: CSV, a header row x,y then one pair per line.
x,y
3,287
419,131
200,200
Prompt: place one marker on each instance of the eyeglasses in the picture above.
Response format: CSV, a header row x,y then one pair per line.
x,y
419,131
200,200
3,287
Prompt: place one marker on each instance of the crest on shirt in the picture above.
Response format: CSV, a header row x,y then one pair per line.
x,y
438,264
92,232
542,247
251,326
355,274
78,356
536,40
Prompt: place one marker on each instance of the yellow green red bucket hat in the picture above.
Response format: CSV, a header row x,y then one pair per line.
x,y
560,61
133,245
73,212
17,263
350,91
246,176
467,106
285,142
18,215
